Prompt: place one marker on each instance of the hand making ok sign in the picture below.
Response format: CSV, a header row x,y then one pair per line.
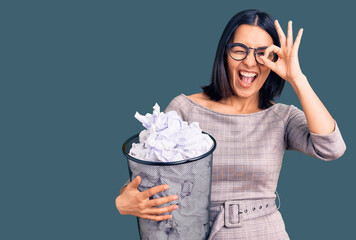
x,y
287,65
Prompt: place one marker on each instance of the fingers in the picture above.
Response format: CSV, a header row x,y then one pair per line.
x,y
152,213
152,191
297,41
162,200
160,210
290,35
288,47
134,183
273,48
156,218
282,37
267,62
288,42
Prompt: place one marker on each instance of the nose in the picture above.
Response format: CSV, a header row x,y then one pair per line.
x,y
250,59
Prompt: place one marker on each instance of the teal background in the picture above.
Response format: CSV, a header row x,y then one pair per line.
x,y
73,74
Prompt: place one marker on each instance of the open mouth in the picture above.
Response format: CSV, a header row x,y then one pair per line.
x,y
247,77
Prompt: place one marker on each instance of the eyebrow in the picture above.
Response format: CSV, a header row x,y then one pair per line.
x,y
248,46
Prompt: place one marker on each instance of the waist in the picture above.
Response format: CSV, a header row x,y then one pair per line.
x,y
234,212
231,192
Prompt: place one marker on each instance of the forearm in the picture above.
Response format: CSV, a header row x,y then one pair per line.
x,y
319,119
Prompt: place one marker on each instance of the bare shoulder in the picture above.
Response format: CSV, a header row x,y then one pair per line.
x,y
200,98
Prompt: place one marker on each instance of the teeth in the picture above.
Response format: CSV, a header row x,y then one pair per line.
x,y
247,74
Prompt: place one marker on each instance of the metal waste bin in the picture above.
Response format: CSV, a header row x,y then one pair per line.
x,y
189,179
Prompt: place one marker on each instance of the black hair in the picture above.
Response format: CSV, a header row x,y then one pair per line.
x,y
219,87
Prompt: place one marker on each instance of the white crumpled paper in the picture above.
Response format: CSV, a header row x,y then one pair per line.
x,y
168,138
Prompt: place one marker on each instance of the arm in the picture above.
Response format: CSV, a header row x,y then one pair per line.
x,y
313,132
287,67
318,118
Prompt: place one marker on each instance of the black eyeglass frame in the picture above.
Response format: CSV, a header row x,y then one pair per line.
x,y
230,45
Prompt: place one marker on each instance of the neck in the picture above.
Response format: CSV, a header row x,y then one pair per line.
x,y
242,105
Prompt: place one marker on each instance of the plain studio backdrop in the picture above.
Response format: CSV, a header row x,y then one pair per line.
x,y
73,74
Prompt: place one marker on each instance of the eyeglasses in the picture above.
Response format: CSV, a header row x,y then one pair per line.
x,y
239,52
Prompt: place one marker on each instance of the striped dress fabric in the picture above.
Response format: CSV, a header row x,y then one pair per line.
x,y
248,158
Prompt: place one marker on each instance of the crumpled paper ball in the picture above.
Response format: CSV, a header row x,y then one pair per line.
x,y
168,138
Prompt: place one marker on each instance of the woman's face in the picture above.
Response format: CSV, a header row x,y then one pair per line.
x,y
241,73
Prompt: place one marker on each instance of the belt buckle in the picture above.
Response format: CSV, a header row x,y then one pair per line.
x,y
229,224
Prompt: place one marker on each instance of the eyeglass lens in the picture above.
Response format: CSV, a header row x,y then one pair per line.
x,y
240,52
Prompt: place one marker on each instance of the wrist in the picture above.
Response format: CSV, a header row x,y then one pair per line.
x,y
299,82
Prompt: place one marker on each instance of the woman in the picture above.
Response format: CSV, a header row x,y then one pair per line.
x,y
253,60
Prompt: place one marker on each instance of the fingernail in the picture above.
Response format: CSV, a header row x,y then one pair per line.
x,y
175,207
166,187
175,197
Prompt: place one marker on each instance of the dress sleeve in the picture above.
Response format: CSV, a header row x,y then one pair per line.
x,y
298,137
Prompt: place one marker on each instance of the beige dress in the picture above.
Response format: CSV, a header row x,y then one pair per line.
x,y
248,159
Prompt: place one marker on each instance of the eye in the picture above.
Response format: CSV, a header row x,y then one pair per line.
x,y
260,52
238,49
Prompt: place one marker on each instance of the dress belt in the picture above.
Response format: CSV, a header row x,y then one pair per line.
x,y
231,214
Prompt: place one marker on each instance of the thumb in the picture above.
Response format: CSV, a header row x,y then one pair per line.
x,y
268,63
135,182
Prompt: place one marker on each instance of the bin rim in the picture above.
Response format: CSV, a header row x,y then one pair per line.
x,y
211,150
